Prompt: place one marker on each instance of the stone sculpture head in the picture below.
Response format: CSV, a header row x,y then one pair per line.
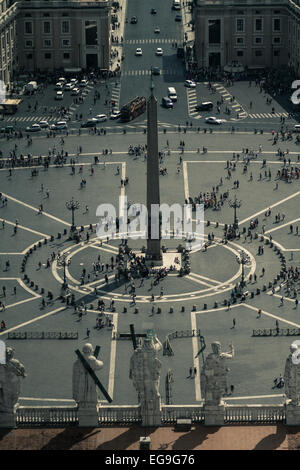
x,y
216,347
87,348
9,353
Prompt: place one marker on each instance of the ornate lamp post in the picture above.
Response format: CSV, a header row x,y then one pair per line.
x,y
243,259
235,204
72,206
61,261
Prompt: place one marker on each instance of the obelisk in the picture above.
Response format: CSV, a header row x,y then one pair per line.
x,y
153,198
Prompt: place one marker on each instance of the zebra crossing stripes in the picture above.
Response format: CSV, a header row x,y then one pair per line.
x,y
267,115
151,41
148,72
115,94
192,102
31,118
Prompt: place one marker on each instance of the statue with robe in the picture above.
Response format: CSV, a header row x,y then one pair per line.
x,y
10,381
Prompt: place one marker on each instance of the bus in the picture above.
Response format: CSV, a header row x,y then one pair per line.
x,y
133,109
10,106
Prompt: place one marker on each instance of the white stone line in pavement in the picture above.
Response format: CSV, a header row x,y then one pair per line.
x,y
26,228
35,209
195,346
282,225
21,283
33,320
207,278
193,278
270,206
64,400
278,395
273,316
21,302
185,180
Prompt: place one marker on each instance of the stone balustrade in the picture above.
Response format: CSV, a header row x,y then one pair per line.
x,y
254,414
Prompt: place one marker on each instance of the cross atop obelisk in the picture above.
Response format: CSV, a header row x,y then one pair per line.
x,y
153,199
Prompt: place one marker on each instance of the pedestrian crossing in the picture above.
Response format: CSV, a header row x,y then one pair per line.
x,y
131,73
267,115
31,118
231,101
153,41
115,95
192,103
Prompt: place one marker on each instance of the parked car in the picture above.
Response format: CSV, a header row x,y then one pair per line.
x,y
190,84
178,18
68,86
33,128
138,51
115,115
59,86
59,95
43,124
133,20
213,120
156,71
153,11
159,51
206,106
75,92
101,117
83,83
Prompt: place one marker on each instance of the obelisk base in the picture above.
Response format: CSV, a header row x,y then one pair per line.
x,y
88,416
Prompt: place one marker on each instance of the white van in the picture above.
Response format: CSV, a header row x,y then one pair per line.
x,y
176,5
172,93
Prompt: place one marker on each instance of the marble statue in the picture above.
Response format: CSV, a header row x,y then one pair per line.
x,y
292,375
10,381
84,387
145,374
214,374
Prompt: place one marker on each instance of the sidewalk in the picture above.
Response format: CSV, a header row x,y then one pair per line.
x,y
117,35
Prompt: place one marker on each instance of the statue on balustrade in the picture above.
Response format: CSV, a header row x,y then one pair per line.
x,y
214,374
84,387
292,374
145,374
10,381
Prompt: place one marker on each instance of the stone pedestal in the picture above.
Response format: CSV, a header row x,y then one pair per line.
x,y
292,415
214,415
151,415
8,419
88,416
145,443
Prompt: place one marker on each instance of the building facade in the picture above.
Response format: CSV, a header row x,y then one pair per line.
x,y
8,31
251,33
63,34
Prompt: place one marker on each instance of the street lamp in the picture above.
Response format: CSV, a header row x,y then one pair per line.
x,y
72,206
61,261
243,260
235,205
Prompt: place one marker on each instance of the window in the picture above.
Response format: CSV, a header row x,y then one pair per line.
x,y
91,38
65,43
277,40
276,24
258,40
47,27
276,12
29,56
47,55
258,53
28,43
65,26
258,24
240,53
28,27
240,25
276,53
240,40
240,12
46,14
47,42
66,56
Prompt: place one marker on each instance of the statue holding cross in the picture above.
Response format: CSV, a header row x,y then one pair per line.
x,y
84,386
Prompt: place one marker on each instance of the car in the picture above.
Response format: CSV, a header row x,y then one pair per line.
x,y
213,120
133,20
43,124
297,128
178,18
206,106
83,83
153,11
61,125
34,128
62,80
59,86
69,86
156,71
190,84
167,102
75,91
138,51
115,115
159,51
59,95
90,123
101,117
157,30
74,81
